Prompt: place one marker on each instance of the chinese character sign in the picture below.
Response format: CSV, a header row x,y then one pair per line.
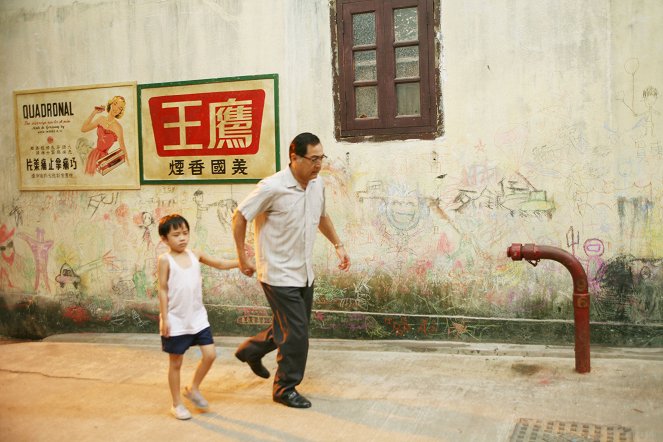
x,y
77,138
211,130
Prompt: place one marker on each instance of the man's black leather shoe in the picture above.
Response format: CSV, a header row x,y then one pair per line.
x,y
293,399
256,367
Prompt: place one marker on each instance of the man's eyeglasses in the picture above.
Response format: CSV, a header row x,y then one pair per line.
x,y
315,159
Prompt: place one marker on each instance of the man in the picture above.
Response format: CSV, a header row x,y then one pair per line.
x,y
287,208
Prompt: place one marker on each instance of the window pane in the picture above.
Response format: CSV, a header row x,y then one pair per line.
x,y
367,101
407,97
363,29
365,68
405,24
407,62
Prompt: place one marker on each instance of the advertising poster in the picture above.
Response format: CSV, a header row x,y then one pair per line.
x,y
222,130
77,138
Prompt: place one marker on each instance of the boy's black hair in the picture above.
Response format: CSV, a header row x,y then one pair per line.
x,y
170,222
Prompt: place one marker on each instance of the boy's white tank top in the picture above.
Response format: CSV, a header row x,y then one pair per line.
x,y
186,312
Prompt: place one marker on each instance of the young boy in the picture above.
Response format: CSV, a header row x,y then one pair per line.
x,y
182,316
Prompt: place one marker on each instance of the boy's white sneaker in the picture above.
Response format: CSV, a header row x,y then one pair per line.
x,y
180,412
197,399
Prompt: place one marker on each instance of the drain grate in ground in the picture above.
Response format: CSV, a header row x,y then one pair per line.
x,y
531,430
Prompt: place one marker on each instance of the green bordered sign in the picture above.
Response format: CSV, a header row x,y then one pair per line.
x,y
222,130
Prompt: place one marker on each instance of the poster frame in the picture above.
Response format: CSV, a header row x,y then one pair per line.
x,y
29,132
147,143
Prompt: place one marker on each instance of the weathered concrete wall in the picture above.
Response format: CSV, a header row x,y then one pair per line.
x,y
548,139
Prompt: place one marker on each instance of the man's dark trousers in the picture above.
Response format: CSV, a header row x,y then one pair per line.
x,y
291,308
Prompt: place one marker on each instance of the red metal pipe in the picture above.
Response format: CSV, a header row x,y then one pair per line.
x,y
533,253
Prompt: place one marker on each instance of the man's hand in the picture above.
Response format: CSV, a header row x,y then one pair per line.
x,y
247,267
344,263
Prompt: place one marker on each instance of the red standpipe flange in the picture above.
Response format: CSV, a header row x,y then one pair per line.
x,y
533,254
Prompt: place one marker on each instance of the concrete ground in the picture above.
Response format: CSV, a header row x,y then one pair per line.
x,y
113,387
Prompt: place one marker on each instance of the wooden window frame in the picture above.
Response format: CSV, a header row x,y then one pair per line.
x,y
387,126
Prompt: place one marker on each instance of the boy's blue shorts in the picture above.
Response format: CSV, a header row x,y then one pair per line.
x,y
179,344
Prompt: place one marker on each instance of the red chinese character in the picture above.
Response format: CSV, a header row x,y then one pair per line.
x,y
214,123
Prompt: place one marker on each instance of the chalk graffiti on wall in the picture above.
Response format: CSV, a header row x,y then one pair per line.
x,y
352,323
96,200
643,131
223,209
595,265
402,212
331,297
40,248
516,195
398,326
591,258
145,224
67,276
7,253
254,316
16,212
635,222
403,208
631,290
123,317
622,288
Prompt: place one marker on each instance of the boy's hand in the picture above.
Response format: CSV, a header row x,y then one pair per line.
x,y
164,328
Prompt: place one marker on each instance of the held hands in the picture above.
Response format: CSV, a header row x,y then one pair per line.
x,y
247,268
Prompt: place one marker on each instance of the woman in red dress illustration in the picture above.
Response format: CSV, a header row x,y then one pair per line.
x,y
109,131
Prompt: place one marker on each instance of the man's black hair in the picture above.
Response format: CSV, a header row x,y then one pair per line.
x,y
299,145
